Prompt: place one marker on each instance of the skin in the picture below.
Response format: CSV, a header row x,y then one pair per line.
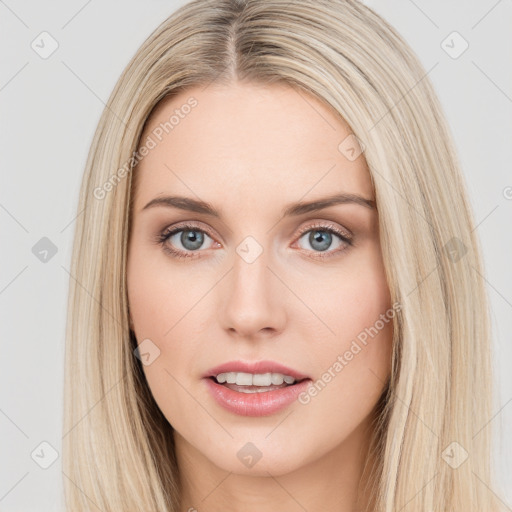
x,y
250,150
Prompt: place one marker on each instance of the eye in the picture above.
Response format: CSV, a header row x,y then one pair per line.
x,y
191,238
320,239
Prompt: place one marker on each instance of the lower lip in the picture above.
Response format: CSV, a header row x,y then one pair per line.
x,y
255,404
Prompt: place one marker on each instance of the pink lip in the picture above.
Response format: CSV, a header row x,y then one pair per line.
x,y
255,404
255,367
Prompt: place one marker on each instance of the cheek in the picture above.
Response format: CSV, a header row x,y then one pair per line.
x,y
166,310
350,300
353,356
159,296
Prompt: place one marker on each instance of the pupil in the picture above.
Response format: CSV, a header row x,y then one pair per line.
x,y
316,237
191,240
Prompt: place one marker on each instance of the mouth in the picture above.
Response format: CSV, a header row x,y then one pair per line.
x,y
258,368
242,382
255,388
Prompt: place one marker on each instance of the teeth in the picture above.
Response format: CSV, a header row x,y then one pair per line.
x,y
243,379
257,379
262,379
277,379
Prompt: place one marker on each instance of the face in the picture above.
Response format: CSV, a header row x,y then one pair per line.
x,y
258,281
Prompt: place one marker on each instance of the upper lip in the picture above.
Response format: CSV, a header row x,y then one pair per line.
x,y
255,367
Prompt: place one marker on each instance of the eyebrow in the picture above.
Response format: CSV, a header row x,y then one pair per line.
x,y
299,208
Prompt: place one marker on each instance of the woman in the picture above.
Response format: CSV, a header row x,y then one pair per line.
x,y
276,298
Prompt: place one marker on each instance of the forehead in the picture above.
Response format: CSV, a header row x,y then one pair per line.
x,y
247,141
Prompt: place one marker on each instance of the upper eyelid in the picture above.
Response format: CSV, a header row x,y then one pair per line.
x,y
318,224
325,225
184,226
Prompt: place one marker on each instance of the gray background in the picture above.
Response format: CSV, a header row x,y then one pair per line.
x,y
50,108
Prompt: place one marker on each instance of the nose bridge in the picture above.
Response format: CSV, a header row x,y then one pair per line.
x,y
251,299
250,273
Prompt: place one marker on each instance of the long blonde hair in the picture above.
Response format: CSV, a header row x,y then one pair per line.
x,y
118,451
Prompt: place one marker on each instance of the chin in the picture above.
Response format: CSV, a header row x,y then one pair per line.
x,y
258,458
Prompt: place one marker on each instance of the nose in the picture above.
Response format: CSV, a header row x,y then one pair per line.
x,y
252,298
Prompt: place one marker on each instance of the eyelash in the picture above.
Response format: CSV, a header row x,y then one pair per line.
x,y
162,238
